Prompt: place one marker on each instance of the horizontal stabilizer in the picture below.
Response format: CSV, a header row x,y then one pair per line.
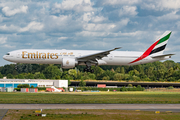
x,y
160,56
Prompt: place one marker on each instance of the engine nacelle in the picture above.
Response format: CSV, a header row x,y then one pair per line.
x,y
101,62
68,63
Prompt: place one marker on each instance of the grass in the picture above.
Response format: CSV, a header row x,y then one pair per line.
x,y
93,97
90,115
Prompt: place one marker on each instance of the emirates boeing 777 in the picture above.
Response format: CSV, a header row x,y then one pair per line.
x,y
71,58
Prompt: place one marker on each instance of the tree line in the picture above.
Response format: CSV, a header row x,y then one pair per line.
x,y
167,71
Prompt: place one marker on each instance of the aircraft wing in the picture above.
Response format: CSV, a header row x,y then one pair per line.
x,y
96,56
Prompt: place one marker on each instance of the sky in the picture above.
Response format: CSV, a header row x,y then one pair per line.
x,y
88,25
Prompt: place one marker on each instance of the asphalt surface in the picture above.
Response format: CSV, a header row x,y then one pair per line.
x,y
142,107
2,113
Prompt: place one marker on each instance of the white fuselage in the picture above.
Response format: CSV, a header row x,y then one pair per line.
x,y
38,56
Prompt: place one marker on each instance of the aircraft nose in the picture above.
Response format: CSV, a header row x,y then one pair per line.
x,y
4,57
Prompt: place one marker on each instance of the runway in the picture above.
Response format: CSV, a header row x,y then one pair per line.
x,y
143,107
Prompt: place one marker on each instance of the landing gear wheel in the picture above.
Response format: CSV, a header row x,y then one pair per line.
x,y
88,70
92,71
88,67
85,70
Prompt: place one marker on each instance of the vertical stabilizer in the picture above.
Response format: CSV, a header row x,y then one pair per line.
x,y
161,44
156,48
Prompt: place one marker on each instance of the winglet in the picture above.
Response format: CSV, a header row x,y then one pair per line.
x,y
117,48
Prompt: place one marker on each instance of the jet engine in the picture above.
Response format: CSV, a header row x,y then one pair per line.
x,y
68,63
101,62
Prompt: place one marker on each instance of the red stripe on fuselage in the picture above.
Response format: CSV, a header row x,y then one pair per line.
x,y
146,53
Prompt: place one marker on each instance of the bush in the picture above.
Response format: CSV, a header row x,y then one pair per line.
x,y
41,88
82,83
130,85
23,86
17,89
139,88
170,87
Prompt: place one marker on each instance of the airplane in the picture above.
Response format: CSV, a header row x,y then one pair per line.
x,y
71,58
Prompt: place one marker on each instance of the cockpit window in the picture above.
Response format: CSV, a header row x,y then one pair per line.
x,y
8,54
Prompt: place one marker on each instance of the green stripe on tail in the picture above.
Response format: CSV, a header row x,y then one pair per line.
x,y
164,38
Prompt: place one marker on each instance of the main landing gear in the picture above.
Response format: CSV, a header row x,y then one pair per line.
x,y
88,68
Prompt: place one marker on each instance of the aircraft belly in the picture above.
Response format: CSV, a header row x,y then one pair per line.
x,y
118,61
39,61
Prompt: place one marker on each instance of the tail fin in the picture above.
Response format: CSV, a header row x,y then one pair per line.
x,y
161,44
156,48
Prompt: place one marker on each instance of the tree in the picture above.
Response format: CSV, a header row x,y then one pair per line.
x,y
20,76
142,76
112,70
85,76
98,72
1,76
139,68
10,76
8,69
176,74
79,75
130,85
108,73
92,76
169,73
150,72
27,68
51,72
118,76
169,63
23,86
66,76
135,78
82,83
41,76
118,70
134,72
171,79
106,78
36,75
73,73
160,74
29,76
122,70
156,71
57,77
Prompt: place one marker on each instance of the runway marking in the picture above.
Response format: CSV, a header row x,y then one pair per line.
x,y
157,112
169,111
137,110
